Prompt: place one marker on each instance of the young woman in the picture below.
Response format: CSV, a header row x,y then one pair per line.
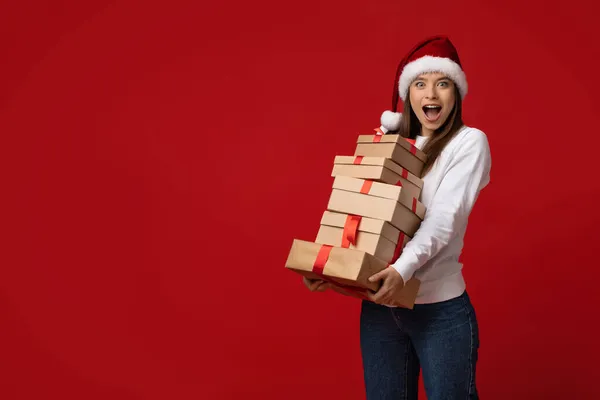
x,y
440,335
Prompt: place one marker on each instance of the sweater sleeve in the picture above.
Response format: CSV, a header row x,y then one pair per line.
x,y
468,172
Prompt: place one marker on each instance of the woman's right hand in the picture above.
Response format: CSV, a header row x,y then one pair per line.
x,y
316,285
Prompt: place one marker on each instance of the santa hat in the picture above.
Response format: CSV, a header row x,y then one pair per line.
x,y
435,54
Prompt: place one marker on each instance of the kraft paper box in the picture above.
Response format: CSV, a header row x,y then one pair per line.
x,y
373,236
379,169
406,298
395,147
348,267
378,201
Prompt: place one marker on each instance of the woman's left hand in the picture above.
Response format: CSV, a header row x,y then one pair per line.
x,y
392,284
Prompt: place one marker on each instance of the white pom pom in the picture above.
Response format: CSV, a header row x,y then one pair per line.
x,y
391,120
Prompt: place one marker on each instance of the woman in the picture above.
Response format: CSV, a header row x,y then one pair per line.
x,y
440,335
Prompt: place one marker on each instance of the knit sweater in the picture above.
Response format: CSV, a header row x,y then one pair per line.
x,y
450,190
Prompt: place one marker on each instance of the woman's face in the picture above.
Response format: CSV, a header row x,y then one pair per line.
x,y
432,99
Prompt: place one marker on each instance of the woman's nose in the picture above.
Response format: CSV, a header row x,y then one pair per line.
x,y
431,93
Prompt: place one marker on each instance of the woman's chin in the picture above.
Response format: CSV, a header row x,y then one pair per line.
x,y
431,126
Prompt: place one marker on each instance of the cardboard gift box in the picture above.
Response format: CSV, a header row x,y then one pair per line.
x,y
378,169
394,147
373,236
348,268
405,298
378,201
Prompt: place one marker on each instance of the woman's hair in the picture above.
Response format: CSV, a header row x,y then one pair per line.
x,y
411,127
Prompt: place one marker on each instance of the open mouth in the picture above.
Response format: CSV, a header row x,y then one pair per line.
x,y
432,112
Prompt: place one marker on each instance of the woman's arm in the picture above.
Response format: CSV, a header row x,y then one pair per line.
x,y
467,174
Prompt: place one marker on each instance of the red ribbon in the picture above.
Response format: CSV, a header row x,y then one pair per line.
x,y
414,200
366,187
322,257
350,230
378,135
412,142
398,249
404,173
358,160
319,266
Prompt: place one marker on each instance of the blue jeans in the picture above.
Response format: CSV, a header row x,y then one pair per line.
x,y
441,338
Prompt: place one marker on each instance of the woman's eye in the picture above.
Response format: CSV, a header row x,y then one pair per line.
x,y
443,84
419,84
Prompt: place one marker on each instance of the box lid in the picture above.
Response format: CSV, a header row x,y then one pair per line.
x,y
340,264
393,138
379,189
382,161
365,224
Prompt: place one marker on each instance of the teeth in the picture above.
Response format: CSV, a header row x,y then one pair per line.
x,y
433,106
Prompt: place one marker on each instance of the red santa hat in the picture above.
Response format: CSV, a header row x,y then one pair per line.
x,y
435,54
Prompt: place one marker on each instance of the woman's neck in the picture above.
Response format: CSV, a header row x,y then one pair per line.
x,y
426,132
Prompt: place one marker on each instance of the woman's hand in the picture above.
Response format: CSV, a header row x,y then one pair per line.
x,y
316,285
392,284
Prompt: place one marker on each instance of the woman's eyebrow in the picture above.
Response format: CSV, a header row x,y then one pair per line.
x,y
422,78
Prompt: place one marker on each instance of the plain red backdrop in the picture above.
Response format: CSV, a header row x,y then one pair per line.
x,y
158,158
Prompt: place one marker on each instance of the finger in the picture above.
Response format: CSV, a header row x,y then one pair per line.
x,y
380,298
371,296
386,300
323,287
380,295
319,286
308,282
312,285
385,291
378,276
375,298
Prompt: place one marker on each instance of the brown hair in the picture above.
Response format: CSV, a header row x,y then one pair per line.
x,y
411,127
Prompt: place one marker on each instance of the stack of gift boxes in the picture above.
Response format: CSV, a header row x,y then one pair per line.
x,y
372,213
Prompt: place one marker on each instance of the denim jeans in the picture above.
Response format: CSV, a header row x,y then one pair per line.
x,y
442,339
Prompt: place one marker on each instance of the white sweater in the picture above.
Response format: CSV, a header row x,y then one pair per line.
x,y
449,193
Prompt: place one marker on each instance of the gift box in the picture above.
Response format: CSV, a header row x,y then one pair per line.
x,y
394,147
372,213
376,237
348,269
378,169
377,200
404,298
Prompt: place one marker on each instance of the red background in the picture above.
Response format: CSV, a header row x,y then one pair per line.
x,y
157,160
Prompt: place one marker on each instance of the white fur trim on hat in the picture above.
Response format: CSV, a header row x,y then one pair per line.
x,y
432,64
391,120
